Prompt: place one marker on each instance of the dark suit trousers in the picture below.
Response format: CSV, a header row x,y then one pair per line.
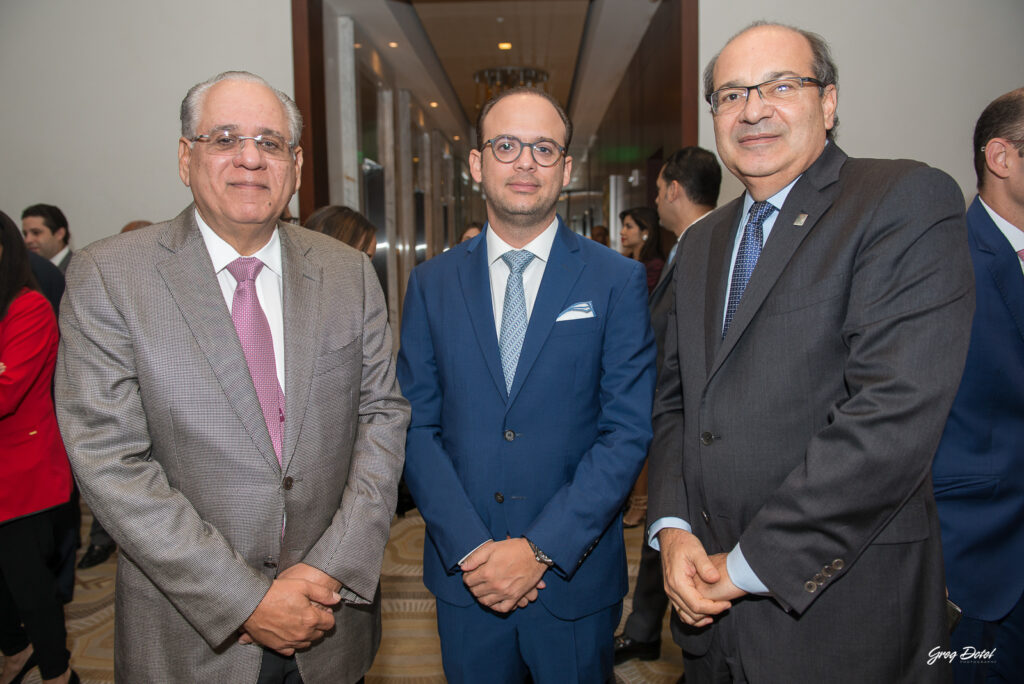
x,y
29,608
649,599
278,669
1005,636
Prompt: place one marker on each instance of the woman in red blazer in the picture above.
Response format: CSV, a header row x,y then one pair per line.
x,y
34,473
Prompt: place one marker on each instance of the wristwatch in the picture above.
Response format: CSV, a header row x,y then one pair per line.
x,y
539,555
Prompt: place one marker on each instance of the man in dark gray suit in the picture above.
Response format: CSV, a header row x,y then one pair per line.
x,y
820,328
229,405
46,233
688,186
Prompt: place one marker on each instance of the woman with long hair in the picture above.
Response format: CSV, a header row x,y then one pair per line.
x,y
35,477
641,240
345,224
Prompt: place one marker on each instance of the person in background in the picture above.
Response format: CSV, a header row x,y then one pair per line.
x,y
978,472
688,186
641,240
599,234
35,478
46,233
473,228
345,224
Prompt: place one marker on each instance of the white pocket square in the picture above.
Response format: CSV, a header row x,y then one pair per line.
x,y
577,311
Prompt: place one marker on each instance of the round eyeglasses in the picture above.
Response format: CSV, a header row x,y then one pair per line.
x,y
773,92
507,149
229,143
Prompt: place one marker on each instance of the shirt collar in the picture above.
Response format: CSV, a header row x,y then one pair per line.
x,y
59,256
776,200
222,254
1012,233
540,246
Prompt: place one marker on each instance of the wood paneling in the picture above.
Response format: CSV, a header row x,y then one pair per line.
x,y
308,58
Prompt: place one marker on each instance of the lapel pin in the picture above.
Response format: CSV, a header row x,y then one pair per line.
x,y
800,218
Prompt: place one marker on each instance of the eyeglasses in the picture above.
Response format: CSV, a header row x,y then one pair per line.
x,y
507,149
228,144
1016,142
774,92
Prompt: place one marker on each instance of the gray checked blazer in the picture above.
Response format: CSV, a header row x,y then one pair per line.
x,y
168,443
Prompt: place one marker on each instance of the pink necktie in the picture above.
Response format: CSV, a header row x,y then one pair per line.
x,y
258,345
1021,254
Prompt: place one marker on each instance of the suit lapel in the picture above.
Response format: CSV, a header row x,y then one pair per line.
x,y
188,272
999,259
560,274
302,282
723,236
475,282
664,280
812,195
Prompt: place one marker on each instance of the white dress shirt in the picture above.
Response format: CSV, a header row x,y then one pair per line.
x,y
498,270
269,288
1014,234
59,256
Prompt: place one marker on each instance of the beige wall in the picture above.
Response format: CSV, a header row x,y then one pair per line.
x,y
913,74
90,97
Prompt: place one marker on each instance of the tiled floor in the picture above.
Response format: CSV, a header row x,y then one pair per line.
x,y
409,652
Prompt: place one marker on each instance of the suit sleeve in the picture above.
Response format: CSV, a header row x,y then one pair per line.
x,y
27,333
452,521
352,548
572,522
906,328
103,423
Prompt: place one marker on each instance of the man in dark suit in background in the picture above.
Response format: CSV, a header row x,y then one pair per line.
x,y
688,186
528,359
979,468
819,332
46,233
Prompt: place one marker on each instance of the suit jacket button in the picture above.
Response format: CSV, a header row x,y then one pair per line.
x,y
827,571
706,438
811,587
287,482
707,518
819,579
499,497
509,435
838,564
269,563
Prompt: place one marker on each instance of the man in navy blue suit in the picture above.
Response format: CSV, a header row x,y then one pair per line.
x,y
979,467
528,358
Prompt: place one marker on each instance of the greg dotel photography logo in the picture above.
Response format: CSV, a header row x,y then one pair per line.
x,y
965,654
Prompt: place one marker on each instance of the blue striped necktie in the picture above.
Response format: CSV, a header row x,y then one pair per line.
x,y
513,314
746,258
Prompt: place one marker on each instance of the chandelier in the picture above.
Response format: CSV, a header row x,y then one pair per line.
x,y
494,80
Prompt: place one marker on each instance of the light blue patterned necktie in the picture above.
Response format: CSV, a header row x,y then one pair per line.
x,y
513,314
746,258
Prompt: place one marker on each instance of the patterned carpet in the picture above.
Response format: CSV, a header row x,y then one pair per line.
x,y
409,653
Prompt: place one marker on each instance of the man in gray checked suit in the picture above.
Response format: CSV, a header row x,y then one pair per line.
x,y
228,400
820,327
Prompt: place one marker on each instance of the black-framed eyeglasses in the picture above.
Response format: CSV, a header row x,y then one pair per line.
x,y
773,92
507,149
228,143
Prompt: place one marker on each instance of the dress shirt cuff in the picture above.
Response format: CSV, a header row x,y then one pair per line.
x,y
660,524
463,559
742,575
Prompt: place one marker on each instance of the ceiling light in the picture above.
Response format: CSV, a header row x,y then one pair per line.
x,y
392,44
433,105
456,138
504,46
357,45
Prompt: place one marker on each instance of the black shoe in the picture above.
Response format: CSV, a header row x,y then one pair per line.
x,y
628,649
32,661
95,555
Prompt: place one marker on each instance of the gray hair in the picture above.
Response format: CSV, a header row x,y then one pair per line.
x,y
192,105
822,65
